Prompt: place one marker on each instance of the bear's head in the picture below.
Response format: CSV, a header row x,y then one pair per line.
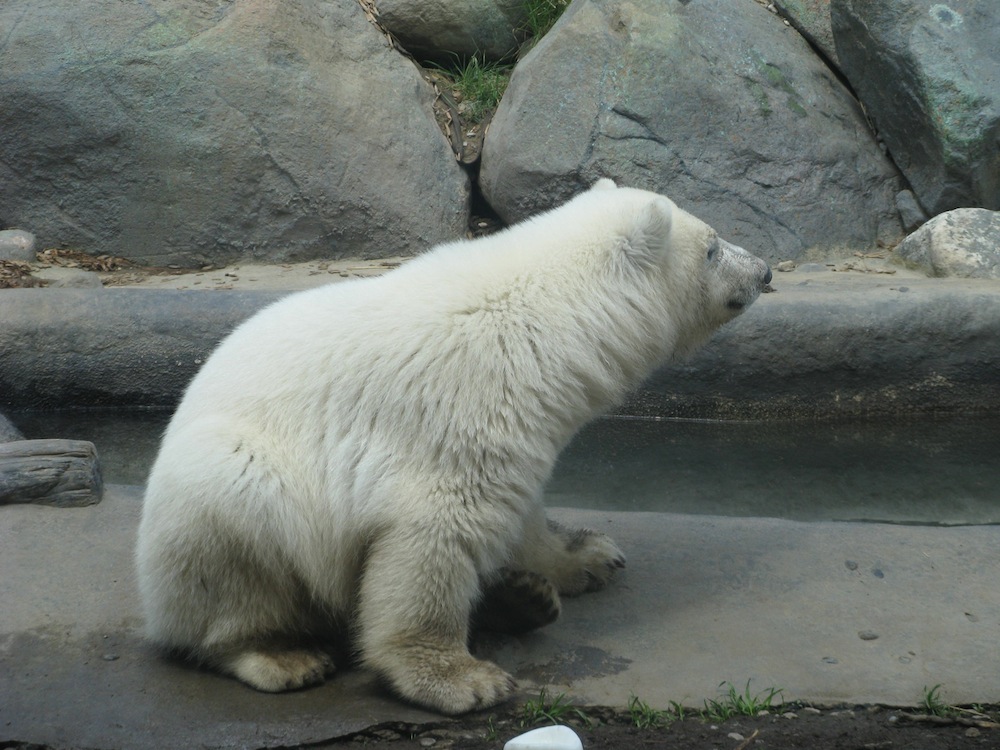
x,y
704,280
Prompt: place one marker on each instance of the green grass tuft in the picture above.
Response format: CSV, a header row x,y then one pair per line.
x,y
732,702
541,15
644,716
551,710
932,704
479,85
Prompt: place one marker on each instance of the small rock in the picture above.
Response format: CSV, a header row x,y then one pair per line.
x,y
830,660
785,266
867,635
16,244
972,732
811,710
736,736
427,742
789,715
546,738
110,657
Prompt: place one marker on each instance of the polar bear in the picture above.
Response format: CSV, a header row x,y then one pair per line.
x,y
368,456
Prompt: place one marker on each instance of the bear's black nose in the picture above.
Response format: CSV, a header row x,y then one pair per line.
x,y
767,276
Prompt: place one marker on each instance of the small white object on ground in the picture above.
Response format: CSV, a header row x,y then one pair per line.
x,y
546,738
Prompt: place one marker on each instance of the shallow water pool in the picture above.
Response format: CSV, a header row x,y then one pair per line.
x,y
923,471
926,471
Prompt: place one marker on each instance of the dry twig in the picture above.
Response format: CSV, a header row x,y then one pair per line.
x,y
746,743
979,723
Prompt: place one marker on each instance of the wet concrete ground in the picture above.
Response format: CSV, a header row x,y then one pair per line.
x,y
829,612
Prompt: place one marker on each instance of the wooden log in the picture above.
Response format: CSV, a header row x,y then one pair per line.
x,y
63,473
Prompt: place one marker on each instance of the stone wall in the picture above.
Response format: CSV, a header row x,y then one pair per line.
x,y
192,132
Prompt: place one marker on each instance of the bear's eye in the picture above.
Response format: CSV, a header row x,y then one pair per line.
x,y
713,248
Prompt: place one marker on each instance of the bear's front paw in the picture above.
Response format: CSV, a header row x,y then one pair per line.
x,y
452,683
596,558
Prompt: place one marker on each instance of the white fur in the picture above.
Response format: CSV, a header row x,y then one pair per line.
x,y
369,453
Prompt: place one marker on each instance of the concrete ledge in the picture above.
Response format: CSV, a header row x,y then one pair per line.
x,y
843,345
823,345
830,612
111,347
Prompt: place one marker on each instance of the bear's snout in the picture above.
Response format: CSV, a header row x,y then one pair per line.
x,y
746,274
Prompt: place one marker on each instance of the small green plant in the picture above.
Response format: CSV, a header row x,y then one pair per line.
x,y
677,710
932,703
541,15
492,733
717,710
546,710
732,702
644,716
479,85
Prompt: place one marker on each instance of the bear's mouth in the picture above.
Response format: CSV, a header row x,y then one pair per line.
x,y
739,304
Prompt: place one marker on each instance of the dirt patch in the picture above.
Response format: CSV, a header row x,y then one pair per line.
x,y
795,727
118,272
16,274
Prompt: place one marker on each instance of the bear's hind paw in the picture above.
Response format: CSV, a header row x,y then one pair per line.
x,y
518,601
274,671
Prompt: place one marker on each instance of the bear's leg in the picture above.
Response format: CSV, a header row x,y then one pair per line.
x,y
251,620
217,583
516,602
416,596
574,560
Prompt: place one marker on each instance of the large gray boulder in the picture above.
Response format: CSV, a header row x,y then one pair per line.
x,y
812,19
928,75
717,104
964,242
443,30
189,132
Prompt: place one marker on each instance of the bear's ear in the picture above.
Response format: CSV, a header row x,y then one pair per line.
x,y
647,237
604,184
